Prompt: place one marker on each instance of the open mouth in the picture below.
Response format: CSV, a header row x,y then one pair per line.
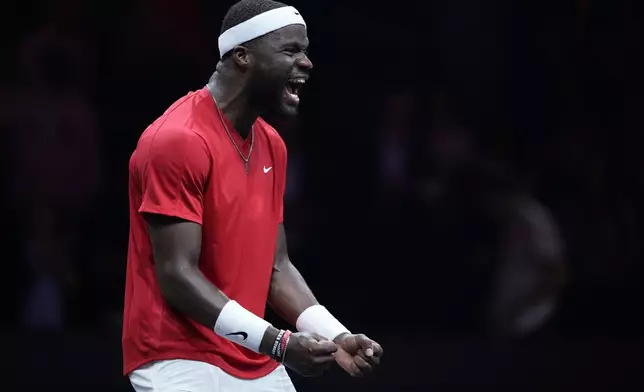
x,y
293,88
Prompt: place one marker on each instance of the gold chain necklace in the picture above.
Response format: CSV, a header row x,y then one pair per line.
x,y
230,136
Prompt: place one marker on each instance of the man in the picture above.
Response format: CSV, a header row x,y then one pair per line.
x,y
507,261
207,248
530,275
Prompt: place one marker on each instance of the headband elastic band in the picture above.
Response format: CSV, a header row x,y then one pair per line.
x,y
257,26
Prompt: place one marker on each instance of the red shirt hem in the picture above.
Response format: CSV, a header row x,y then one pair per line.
x,y
246,374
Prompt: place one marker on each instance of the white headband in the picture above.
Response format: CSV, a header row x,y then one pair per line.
x,y
257,26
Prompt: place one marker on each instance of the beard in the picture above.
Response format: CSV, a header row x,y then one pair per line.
x,y
268,86
271,102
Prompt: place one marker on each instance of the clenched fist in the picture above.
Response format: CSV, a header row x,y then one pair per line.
x,y
357,354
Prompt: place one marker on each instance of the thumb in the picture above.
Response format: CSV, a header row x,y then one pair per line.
x,y
366,344
323,343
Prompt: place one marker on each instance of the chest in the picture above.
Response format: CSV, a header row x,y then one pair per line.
x,y
249,191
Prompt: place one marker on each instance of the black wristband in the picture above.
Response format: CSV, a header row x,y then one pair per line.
x,y
276,351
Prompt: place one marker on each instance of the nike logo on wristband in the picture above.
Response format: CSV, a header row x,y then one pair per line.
x,y
244,335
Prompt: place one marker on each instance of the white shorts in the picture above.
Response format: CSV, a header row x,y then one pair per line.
x,y
180,375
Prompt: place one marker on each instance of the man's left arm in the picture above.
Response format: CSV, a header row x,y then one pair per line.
x,y
289,295
292,299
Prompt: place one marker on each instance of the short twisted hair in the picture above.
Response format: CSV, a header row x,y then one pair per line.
x,y
246,9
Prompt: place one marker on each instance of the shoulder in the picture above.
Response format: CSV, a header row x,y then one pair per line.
x,y
538,222
171,139
189,105
185,114
172,150
176,130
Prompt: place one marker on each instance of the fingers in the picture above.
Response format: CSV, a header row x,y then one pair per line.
x,y
373,360
363,365
309,354
323,359
358,366
354,370
321,348
377,350
319,362
365,344
371,348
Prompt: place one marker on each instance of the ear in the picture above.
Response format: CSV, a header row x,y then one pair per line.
x,y
242,57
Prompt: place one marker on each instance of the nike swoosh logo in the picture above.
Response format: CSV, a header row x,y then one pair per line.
x,y
244,335
267,169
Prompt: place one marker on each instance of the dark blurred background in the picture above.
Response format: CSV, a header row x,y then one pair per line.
x,y
451,159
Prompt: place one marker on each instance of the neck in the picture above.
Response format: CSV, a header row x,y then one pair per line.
x,y
233,102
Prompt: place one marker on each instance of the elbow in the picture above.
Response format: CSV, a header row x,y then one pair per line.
x,y
275,283
171,282
281,271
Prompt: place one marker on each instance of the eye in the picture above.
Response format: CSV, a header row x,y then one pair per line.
x,y
290,51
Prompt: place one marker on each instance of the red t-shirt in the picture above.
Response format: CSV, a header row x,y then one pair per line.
x,y
186,166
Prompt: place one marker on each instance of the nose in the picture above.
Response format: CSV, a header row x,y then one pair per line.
x,y
304,63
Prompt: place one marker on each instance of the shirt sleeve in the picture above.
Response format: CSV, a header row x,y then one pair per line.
x,y
175,175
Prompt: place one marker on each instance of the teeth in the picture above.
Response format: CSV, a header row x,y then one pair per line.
x,y
298,81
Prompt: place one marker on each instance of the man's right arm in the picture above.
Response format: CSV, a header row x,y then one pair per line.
x,y
176,245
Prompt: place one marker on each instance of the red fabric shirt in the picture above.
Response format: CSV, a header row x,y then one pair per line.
x,y
186,166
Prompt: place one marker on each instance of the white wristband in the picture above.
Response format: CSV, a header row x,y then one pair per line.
x,y
241,326
317,319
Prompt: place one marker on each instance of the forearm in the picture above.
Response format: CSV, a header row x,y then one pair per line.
x,y
292,299
193,295
188,291
289,294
